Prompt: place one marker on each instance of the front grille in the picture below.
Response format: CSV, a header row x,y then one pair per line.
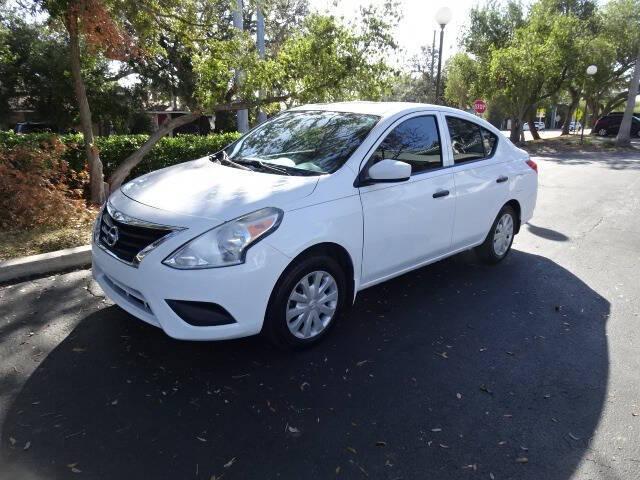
x,y
126,240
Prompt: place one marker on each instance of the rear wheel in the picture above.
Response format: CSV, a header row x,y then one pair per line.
x,y
500,238
306,302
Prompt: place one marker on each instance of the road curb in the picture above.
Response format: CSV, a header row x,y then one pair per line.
x,y
45,263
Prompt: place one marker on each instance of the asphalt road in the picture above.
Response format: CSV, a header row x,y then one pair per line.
x,y
526,370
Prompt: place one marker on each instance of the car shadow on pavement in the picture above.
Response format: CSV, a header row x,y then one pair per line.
x,y
546,233
453,369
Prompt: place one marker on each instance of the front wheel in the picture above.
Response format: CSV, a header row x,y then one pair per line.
x,y
500,238
306,302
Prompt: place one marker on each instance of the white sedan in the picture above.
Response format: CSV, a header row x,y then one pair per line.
x,y
279,231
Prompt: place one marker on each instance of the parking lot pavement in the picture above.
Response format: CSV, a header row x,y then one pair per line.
x,y
525,370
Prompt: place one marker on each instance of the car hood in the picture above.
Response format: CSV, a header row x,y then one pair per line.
x,y
201,188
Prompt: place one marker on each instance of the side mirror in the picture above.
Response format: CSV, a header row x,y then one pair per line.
x,y
387,171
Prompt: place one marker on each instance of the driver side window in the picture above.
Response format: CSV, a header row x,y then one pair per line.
x,y
415,141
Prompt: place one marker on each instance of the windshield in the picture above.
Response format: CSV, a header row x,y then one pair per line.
x,y
302,142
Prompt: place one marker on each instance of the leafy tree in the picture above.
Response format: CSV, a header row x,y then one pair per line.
x,y
622,20
36,75
462,79
190,53
416,81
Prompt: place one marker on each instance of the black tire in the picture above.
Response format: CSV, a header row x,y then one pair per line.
x,y
486,251
275,324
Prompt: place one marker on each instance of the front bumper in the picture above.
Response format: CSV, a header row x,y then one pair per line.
x,y
242,290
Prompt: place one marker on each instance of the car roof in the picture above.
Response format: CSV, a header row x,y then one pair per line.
x,y
382,109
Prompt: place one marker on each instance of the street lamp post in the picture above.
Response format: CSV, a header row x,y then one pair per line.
x,y
442,17
591,71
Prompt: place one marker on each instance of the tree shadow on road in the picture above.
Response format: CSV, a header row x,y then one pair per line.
x,y
452,369
625,160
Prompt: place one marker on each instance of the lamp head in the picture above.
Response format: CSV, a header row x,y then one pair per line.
x,y
443,16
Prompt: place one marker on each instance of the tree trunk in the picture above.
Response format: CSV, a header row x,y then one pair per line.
x,y
514,135
575,100
531,120
594,108
123,171
624,134
96,178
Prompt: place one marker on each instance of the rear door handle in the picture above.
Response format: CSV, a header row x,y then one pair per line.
x,y
502,179
441,193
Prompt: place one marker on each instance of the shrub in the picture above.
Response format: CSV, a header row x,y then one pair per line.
x,y
43,176
114,149
37,187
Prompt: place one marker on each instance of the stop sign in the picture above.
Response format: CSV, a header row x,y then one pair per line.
x,y
479,106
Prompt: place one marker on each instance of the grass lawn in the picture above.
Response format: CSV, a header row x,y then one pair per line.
x,y
44,239
571,144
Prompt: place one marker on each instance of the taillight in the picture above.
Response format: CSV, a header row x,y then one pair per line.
x,y
533,165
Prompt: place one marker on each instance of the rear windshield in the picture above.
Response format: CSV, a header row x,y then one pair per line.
x,y
308,141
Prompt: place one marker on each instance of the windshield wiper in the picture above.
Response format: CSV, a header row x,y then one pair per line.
x,y
285,169
223,157
265,165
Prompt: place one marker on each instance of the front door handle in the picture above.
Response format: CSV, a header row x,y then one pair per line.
x,y
441,193
502,179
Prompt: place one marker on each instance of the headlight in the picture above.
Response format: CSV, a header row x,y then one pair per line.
x,y
225,244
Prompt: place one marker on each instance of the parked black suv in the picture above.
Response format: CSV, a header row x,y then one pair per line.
x,y
610,124
34,127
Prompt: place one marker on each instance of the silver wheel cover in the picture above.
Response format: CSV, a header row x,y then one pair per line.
x,y
312,304
503,234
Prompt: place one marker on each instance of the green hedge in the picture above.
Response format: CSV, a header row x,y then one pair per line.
x,y
114,149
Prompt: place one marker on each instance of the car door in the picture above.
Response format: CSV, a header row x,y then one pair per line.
x,y
407,223
481,180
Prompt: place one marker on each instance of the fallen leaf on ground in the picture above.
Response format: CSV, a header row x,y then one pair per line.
x,y
352,450
362,362
485,389
12,440
443,354
573,436
442,445
230,462
27,446
436,429
201,439
380,443
459,395
522,460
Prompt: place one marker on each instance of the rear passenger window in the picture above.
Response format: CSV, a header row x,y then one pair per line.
x,y
415,141
466,140
490,141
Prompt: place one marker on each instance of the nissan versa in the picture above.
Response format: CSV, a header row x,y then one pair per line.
x,y
280,230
